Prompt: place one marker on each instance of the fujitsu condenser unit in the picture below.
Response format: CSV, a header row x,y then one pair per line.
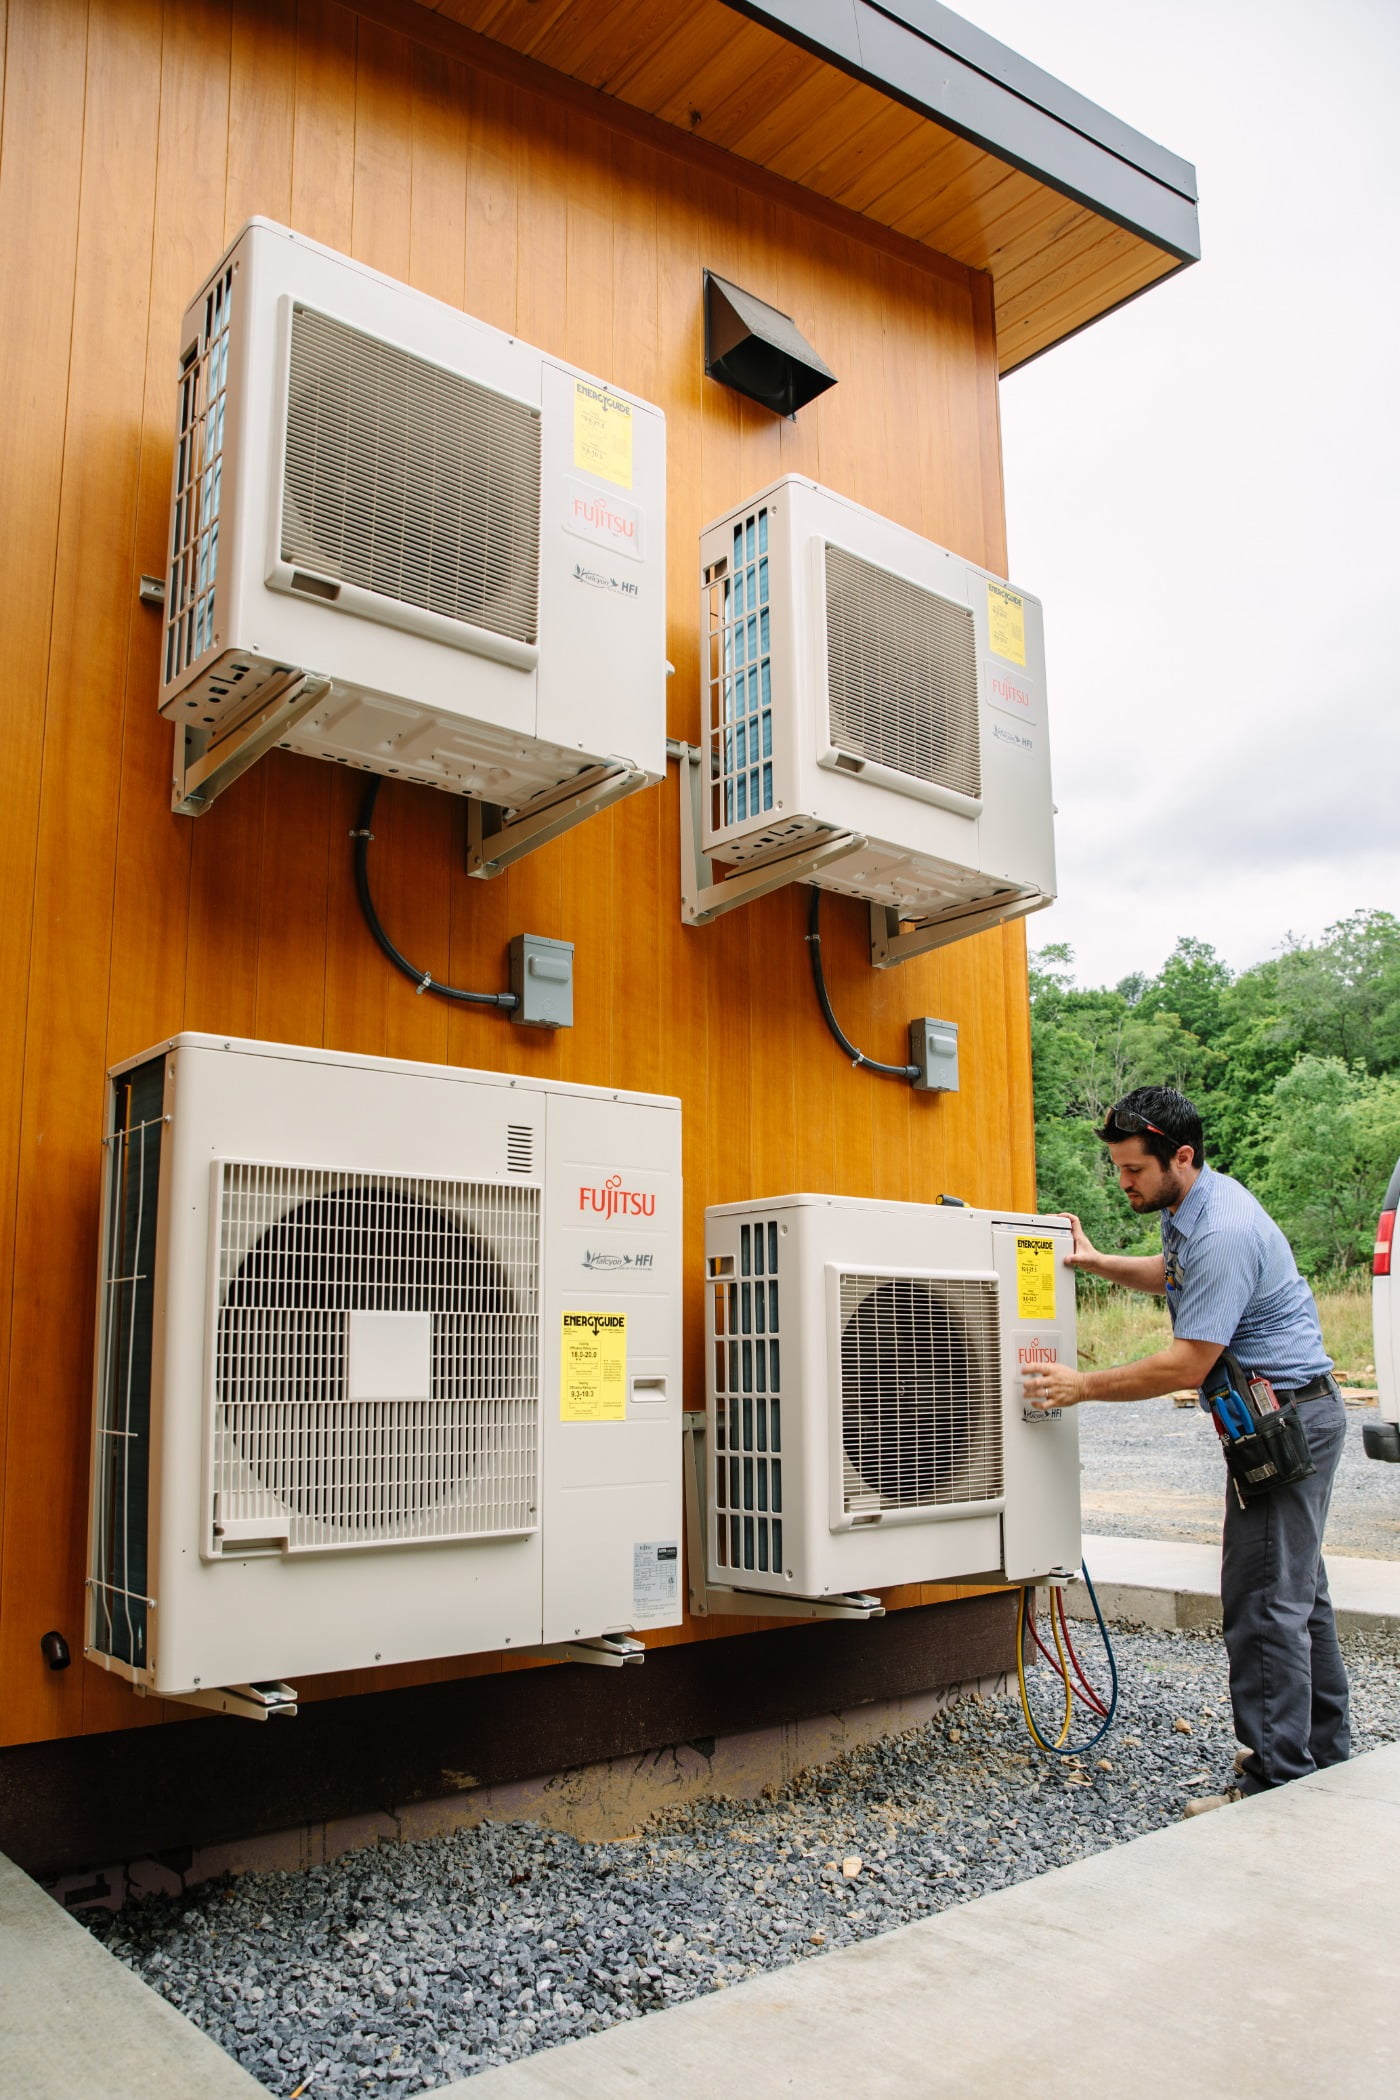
x,y
404,541
866,1424
387,1365
858,679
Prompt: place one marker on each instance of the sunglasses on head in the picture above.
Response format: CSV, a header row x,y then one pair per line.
x,y
1131,1123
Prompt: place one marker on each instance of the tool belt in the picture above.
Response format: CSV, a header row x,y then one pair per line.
x,y
1265,1443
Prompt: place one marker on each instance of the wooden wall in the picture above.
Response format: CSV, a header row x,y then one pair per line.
x,y
135,138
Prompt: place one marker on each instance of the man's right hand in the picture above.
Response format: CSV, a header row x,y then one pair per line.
x,y
1083,1251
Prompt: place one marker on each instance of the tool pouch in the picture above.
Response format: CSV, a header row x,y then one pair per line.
x,y
1275,1455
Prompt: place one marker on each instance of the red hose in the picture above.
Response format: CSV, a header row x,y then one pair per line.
x,y
1084,1685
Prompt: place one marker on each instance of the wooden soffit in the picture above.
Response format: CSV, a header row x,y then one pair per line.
x,y
902,113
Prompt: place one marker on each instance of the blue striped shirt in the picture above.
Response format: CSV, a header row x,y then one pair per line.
x,y
1232,1280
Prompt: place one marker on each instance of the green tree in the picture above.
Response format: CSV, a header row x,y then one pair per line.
x,y
1334,1138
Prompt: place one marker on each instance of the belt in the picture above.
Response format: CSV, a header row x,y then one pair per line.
x,y
1315,1389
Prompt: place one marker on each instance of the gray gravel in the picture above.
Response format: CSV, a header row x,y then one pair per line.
x,y
396,1969
1153,1470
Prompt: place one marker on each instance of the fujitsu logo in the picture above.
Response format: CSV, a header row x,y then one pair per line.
x,y
1036,1353
1007,689
612,1200
599,513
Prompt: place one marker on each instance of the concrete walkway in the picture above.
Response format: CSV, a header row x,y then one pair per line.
x,y
1160,1582
75,2024
1249,1952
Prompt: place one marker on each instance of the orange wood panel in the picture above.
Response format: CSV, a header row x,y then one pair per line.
x,y
558,215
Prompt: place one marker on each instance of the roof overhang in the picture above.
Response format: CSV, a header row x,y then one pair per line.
x,y
903,113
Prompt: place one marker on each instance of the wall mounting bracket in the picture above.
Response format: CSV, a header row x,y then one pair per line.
x,y
205,767
609,1650
702,897
253,1702
896,940
494,841
707,1600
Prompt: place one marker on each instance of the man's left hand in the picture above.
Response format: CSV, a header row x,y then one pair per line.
x,y
1053,1385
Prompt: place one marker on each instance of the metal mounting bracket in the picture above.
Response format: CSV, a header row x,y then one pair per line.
x,y
253,1702
706,1599
702,897
610,1650
890,945
204,769
494,841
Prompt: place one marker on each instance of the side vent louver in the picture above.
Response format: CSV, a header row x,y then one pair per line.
x,y
409,480
199,469
740,679
748,1406
902,675
520,1148
920,1392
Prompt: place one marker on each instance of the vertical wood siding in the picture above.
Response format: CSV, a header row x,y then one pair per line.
x,y
135,138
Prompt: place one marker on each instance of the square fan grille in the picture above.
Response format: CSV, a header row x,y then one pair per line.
x,y
740,680
901,675
299,1462
199,473
748,1475
920,1392
409,480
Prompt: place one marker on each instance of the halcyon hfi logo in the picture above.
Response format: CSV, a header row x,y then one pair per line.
x,y
612,1200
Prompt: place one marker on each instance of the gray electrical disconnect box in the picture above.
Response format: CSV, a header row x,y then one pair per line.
x,y
542,979
933,1047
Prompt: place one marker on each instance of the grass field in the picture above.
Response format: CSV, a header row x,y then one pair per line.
x,y
1117,1327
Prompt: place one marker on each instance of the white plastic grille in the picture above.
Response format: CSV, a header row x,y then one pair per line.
x,y
740,679
409,480
748,1467
920,1392
902,675
296,1459
199,471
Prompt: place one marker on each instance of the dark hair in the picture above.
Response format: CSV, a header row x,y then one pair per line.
x,y
1170,1111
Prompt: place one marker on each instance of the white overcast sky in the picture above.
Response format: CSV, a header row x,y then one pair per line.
x,y
1203,490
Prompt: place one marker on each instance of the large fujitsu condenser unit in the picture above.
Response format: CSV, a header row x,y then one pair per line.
x,y
859,679
866,1423
405,541
388,1365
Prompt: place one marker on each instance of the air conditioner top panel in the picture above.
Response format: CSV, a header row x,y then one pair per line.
x,y
300,1053
398,287
810,1201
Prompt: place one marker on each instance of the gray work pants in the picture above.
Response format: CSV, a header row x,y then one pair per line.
x,y
1288,1684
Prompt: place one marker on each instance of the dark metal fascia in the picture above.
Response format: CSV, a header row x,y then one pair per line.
x,y
932,61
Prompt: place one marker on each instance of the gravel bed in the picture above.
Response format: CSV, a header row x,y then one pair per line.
x,y
398,1968
1153,1470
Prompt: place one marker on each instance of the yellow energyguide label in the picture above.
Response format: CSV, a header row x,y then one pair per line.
x,y
1006,623
1035,1278
603,434
593,1368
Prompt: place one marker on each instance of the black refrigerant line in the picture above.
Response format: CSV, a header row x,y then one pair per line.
x,y
423,980
814,949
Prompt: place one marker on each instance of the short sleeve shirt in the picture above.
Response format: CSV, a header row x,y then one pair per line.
x,y
1232,1280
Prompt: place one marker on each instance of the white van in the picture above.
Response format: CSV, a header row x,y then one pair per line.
x,y
1382,1438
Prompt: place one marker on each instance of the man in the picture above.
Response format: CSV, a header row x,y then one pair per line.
x,y
1230,1281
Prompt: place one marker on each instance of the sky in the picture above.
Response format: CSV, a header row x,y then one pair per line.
x,y
1203,490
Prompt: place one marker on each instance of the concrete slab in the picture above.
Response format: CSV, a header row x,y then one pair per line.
x,y
75,2024
1243,1953
1165,1583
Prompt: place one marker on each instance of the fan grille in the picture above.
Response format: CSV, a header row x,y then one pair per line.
x,y
902,675
300,1458
920,1392
409,480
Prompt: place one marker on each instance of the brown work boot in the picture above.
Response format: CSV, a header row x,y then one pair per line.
x,y
1210,1801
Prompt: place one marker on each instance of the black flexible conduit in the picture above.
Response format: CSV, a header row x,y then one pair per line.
x,y
814,949
423,980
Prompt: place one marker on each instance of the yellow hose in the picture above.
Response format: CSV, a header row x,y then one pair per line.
x,y
1036,1735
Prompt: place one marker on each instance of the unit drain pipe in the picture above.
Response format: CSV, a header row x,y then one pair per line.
x,y
814,949
423,980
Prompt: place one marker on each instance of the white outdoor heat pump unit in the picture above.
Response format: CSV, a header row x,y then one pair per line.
x,y
859,680
388,1366
403,540
866,1424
